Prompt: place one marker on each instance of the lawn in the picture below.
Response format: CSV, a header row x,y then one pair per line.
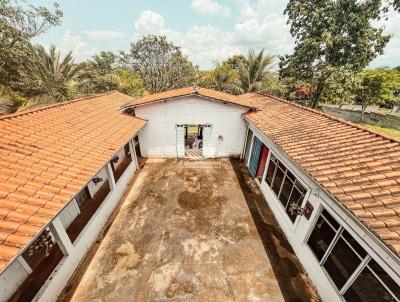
x,y
388,131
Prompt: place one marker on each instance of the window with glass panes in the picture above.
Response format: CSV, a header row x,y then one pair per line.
x,y
352,270
284,184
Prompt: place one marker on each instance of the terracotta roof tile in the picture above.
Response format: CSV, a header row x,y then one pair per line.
x,y
359,167
48,154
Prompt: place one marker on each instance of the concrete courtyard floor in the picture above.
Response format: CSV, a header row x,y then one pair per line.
x,y
194,231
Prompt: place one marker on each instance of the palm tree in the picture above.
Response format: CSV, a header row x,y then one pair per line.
x,y
253,70
49,74
11,101
222,78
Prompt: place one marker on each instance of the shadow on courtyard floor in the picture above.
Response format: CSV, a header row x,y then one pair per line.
x,y
294,283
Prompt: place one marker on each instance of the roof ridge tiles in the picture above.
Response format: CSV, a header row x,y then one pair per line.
x,y
337,119
67,102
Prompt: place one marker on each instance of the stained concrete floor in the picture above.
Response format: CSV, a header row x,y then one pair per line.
x,y
185,233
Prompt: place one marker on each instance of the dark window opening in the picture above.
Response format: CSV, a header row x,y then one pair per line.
x,y
386,279
346,257
43,262
271,170
286,187
286,190
280,173
367,288
321,236
295,199
341,263
88,207
119,165
137,146
248,145
194,137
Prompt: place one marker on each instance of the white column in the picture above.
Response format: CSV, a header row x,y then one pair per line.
x,y
110,176
133,152
61,236
180,141
25,265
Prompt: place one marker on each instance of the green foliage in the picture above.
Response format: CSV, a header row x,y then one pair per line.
x,y
240,74
340,87
105,73
19,23
97,75
377,86
331,35
273,85
253,70
160,64
388,131
48,74
11,101
128,82
222,78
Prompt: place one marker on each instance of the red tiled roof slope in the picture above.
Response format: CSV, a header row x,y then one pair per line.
x,y
204,92
48,154
358,167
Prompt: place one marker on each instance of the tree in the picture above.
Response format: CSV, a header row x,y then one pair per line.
x,y
18,25
341,87
128,82
331,35
253,70
273,85
222,78
377,86
160,64
98,74
105,73
10,101
49,74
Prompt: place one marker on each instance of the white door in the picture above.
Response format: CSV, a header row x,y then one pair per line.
x,y
207,144
180,140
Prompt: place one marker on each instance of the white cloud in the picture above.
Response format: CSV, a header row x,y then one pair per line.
x,y
98,35
209,7
74,42
149,22
391,55
202,44
263,25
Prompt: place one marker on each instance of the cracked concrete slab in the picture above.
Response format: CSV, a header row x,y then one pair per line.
x,y
184,232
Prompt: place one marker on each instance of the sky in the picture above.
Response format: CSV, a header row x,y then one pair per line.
x,y
207,30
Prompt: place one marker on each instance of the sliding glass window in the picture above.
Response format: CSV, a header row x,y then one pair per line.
x,y
286,187
355,274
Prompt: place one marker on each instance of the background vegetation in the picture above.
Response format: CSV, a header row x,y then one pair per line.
x,y
335,40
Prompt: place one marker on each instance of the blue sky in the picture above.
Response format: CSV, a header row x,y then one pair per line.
x,y
207,30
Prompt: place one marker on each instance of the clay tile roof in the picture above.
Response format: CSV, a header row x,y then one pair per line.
x,y
359,167
203,92
48,154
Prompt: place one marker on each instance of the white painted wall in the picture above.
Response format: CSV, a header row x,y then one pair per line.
x,y
121,155
94,188
158,138
298,234
11,279
69,213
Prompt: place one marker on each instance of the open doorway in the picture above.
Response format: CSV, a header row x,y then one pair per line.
x,y
193,140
